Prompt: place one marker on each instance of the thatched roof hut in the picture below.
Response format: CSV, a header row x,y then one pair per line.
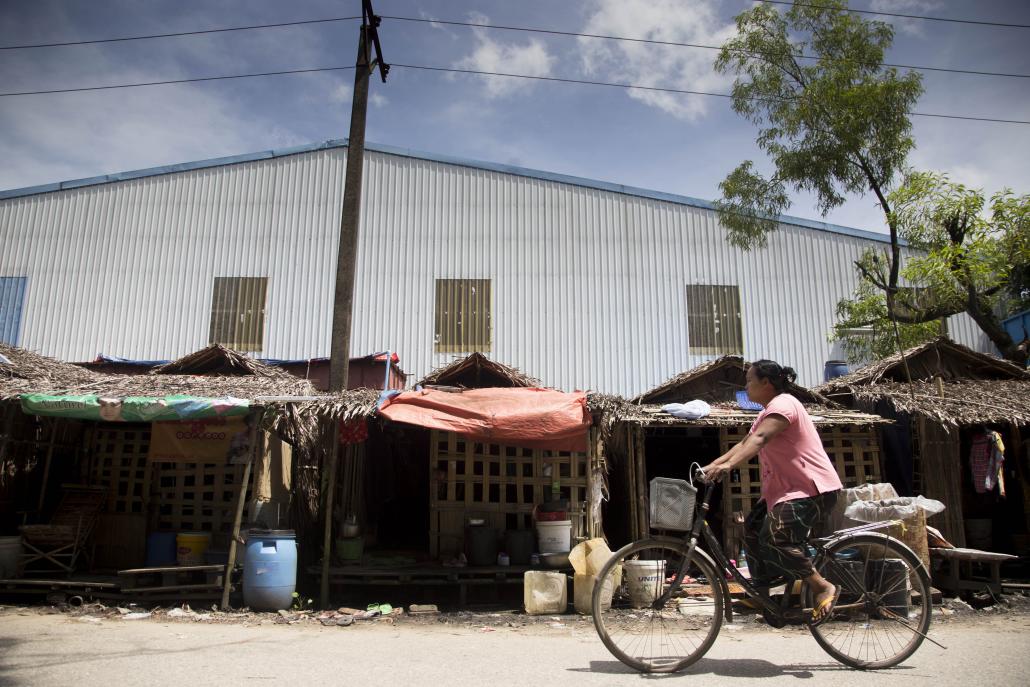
x,y
950,384
716,381
939,393
30,372
476,371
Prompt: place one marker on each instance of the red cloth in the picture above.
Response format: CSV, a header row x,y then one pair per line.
x,y
534,418
353,432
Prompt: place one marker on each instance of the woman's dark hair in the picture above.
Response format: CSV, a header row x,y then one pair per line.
x,y
777,375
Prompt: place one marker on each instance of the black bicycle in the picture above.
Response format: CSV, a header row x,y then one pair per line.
x,y
659,602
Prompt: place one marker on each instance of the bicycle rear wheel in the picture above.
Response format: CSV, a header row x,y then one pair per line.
x,y
650,639
884,607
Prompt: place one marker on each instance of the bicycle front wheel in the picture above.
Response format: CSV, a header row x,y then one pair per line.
x,y
884,607
640,633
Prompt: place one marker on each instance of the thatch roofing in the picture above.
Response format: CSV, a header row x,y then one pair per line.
x,y
476,371
716,381
962,402
940,357
218,360
951,384
729,415
33,373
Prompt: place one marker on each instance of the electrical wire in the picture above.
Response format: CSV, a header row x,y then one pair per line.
x,y
678,44
175,81
526,29
904,16
28,46
455,70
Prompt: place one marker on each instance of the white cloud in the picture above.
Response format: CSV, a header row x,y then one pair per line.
x,y
913,27
656,65
341,93
531,58
54,138
378,100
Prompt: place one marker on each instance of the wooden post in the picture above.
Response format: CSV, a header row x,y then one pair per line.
x,y
631,472
591,531
327,539
46,465
641,462
241,499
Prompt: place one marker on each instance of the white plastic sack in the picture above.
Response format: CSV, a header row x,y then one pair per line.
x,y
863,492
692,410
900,508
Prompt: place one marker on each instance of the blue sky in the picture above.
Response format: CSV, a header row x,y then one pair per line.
x,y
678,144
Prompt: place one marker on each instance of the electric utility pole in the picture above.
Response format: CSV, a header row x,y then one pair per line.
x,y
339,355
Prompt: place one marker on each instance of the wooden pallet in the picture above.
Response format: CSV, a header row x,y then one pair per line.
x,y
173,582
462,578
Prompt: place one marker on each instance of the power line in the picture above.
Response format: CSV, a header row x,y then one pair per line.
x,y
555,79
176,35
671,90
175,81
678,44
905,16
553,32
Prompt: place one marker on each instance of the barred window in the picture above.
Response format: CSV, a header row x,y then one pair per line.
x,y
12,302
463,319
238,312
713,320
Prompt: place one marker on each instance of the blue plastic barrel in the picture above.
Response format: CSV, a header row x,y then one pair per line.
x,y
834,368
161,550
270,569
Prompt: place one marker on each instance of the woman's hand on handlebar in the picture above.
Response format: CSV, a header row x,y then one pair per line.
x,y
713,473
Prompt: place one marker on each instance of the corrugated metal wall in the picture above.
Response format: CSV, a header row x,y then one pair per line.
x,y
588,285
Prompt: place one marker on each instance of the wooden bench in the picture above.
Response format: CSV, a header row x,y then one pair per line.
x,y
958,569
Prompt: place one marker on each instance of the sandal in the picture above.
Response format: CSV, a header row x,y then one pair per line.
x,y
824,609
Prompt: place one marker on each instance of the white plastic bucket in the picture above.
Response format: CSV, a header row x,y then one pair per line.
x,y
10,557
554,536
644,581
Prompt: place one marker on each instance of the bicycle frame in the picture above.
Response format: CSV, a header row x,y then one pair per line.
x,y
701,529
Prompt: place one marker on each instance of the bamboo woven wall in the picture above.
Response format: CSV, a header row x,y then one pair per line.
x,y
939,466
500,484
185,496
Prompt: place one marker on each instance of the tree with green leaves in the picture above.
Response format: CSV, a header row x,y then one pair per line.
x,y
835,121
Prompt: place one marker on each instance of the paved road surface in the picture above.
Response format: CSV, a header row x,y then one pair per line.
x,y
61,650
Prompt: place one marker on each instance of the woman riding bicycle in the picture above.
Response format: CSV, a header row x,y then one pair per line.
x,y
799,485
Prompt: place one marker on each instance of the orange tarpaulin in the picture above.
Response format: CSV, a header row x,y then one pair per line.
x,y
535,418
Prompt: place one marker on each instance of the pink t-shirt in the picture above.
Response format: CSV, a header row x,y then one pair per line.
x,y
793,463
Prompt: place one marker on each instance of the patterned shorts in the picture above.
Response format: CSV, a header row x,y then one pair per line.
x,y
775,540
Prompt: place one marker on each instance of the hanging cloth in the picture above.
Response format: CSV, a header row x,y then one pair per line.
x,y
979,462
995,464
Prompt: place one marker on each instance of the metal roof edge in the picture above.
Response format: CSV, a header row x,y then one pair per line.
x,y
433,157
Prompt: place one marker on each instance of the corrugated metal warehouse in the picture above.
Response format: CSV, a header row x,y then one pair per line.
x,y
583,284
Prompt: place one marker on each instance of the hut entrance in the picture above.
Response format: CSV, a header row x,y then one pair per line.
x,y
671,450
994,517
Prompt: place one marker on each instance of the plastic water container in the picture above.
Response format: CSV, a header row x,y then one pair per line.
x,y
162,549
834,368
583,591
644,581
10,557
555,536
190,547
270,569
545,592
